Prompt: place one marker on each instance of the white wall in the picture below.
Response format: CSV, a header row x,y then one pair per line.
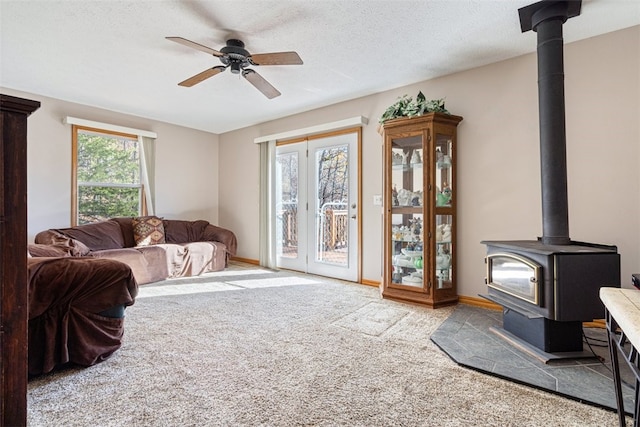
x,y
498,175
498,163
186,164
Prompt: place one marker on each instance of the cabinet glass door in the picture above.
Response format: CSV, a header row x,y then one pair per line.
x,y
407,211
443,250
444,170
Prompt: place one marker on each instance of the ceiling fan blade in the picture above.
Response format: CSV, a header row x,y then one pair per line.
x,y
276,58
202,76
195,45
260,83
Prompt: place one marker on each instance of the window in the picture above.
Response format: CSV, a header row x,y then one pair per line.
x,y
107,172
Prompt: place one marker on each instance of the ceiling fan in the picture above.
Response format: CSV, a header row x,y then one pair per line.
x,y
237,58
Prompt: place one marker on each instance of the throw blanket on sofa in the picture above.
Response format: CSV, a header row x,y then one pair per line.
x,y
66,296
186,248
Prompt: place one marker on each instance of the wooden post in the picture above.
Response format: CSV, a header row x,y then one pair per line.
x,y
14,308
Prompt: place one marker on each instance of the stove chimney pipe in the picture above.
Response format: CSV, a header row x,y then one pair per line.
x,y
546,19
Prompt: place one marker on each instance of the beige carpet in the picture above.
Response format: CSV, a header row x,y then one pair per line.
x,y
252,347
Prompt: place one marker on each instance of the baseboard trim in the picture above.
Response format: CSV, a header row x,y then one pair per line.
x,y
245,260
596,323
369,282
479,302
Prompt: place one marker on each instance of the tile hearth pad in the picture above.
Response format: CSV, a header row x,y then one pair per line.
x,y
467,338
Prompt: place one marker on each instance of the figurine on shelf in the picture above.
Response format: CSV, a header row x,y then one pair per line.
x,y
407,234
443,259
397,274
417,263
416,198
443,198
444,162
394,196
415,158
446,232
397,158
416,227
396,233
443,233
404,197
402,260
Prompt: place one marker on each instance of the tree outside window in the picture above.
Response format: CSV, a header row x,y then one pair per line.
x,y
107,175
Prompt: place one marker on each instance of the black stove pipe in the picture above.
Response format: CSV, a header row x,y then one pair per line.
x,y
546,19
553,157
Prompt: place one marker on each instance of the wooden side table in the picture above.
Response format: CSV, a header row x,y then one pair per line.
x,y
622,312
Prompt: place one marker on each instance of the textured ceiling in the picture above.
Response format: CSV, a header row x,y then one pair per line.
x,y
114,55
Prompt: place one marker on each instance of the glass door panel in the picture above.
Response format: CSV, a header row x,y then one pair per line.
x,y
290,213
287,205
334,202
444,251
444,170
332,199
407,211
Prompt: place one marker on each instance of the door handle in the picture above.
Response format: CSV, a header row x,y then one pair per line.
x,y
353,216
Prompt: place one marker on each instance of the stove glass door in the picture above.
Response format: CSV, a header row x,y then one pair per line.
x,y
514,275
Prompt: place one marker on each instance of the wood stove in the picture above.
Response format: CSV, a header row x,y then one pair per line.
x,y
547,291
549,286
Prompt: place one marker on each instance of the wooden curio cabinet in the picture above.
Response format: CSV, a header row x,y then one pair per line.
x,y
419,204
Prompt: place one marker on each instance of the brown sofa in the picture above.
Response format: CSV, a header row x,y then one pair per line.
x,y
189,248
76,309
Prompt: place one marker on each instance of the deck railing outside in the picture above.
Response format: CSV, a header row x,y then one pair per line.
x,y
332,229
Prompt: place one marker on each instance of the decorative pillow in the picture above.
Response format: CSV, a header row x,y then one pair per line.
x,y
148,230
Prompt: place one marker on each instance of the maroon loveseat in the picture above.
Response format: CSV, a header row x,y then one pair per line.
x,y
188,248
